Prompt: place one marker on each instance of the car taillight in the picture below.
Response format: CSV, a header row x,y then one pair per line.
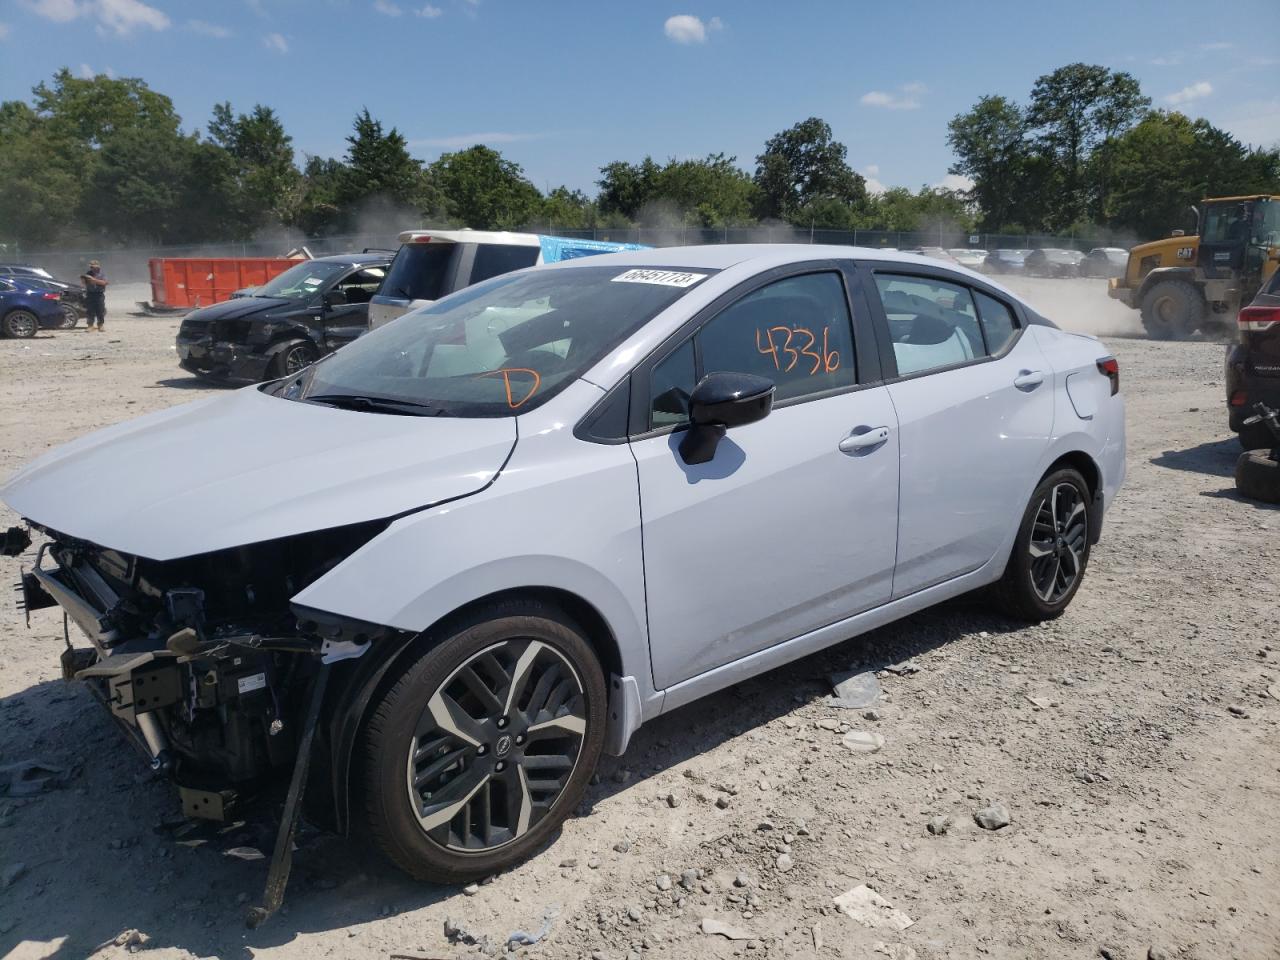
x,y
421,239
1258,318
1239,398
1109,367
50,296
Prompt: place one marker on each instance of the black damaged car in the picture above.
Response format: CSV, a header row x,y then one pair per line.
x,y
289,322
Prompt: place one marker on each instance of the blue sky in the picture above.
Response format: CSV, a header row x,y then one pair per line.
x,y
564,87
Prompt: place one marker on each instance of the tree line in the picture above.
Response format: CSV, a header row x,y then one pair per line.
x,y
1087,151
97,159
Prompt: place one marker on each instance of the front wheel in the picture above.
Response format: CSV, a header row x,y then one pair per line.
x,y
485,744
292,359
1173,310
1051,551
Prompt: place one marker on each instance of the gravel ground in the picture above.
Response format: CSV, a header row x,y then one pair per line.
x,y
1133,744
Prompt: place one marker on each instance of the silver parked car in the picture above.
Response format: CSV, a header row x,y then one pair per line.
x,y
453,563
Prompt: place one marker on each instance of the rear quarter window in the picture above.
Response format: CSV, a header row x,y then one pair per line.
x,y
495,259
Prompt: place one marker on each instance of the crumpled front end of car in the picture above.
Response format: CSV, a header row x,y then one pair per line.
x,y
203,661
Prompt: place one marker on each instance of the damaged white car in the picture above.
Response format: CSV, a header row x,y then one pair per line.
x,y
445,568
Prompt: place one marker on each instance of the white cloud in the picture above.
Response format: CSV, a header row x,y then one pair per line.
x,y
276,42
207,29
471,139
872,175
387,8
686,28
4,30
86,72
955,181
907,97
1194,92
1167,60
59,11
429,11
118,16
123,16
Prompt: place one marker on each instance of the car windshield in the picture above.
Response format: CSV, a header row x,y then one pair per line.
x,y
495,349
300,282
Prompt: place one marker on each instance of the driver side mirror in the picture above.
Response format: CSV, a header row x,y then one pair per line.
x,y
721,401
335,298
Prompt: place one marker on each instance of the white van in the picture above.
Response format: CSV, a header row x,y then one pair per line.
x,y
434,263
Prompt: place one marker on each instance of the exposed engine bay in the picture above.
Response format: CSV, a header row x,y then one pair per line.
x,y
203,660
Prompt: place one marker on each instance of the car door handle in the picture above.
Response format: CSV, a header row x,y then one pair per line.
x,y
864,441
1028,379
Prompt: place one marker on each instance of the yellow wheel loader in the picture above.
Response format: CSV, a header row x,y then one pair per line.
x,y
1182,284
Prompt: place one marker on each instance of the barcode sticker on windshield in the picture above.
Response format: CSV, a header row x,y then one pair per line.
x,y
664,278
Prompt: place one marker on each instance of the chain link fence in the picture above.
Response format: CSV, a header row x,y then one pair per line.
x,y
127,264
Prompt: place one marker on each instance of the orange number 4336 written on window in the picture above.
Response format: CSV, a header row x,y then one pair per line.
x,y
789,346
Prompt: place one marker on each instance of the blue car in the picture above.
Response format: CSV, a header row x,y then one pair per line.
x,y
26,308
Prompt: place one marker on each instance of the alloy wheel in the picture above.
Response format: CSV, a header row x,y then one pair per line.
x,y
69,317
297,359
21,324
1058,538
495,745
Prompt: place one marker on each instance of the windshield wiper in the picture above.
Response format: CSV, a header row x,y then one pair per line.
x,y
350,401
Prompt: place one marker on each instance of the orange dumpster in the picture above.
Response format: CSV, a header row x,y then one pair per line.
x,y
200,281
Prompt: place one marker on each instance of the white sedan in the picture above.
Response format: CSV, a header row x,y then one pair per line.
x,y
461,557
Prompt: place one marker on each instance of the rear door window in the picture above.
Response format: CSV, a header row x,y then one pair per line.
x,y
998,323
932,324
493,259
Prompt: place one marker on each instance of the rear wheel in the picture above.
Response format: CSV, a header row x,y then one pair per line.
x,y
1258,476
1257,436
21,324
1173,310
69,317
485,744
1051,551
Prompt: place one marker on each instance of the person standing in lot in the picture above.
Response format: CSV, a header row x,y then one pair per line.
x,y
95,294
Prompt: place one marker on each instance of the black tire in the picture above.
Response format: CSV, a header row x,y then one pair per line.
x,y
1258,476
489,751
1034,586
20,324
1173,310
1257,436
69,317
291,359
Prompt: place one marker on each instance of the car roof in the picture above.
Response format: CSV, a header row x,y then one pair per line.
x,y
724,256
369,256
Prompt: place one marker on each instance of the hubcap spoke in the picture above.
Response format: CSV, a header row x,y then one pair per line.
x,y
438,811
452,719
1058,542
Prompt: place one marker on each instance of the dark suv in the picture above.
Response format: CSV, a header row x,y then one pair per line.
x,y
295,319
1253,365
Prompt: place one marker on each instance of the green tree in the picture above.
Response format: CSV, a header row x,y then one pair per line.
x,y
319,203
268,182
137,184
1073,110
627,188
483,190
39,191
804,164
378,165
1168,162
991,148
566,209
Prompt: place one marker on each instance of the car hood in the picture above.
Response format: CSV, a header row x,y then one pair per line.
x,y
239,307
245,467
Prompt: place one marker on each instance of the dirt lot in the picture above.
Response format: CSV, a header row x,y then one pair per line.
x,y
1143,782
